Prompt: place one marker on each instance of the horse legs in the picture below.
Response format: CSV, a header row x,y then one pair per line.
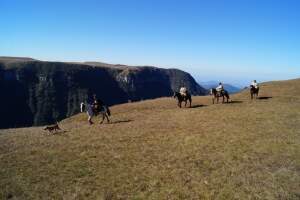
x,y
102,119
179,104
104,116
190,103
107,118
90,120
185,103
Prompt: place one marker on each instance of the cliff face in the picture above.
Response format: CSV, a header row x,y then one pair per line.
x,y
150,82
37,93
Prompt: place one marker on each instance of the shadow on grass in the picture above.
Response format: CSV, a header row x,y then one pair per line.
x,y
235,102
229,102
55,132
264,98
121,121
198,106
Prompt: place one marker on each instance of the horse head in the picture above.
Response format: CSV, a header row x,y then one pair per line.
x,y
82,107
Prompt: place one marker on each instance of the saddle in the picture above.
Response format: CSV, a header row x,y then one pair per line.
x,y
96,109
220,93
254,88
184,94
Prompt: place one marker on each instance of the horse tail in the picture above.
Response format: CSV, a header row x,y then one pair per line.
x,y
227,94
108,111
188,96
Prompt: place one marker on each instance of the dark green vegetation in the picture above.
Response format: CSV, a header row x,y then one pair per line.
x,y
37,93
154,150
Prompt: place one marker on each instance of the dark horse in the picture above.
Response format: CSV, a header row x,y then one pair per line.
x,y
254,91
182,98
217,95
93,110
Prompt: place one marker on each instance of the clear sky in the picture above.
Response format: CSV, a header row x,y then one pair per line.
x,y
225,40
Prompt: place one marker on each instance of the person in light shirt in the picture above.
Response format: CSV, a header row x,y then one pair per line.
x,y
220,87
183,91
254,84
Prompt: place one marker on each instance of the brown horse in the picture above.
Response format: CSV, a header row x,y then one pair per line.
x,y
182,98
216,95
254,91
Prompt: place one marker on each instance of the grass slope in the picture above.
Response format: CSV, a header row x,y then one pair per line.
x,y
154,150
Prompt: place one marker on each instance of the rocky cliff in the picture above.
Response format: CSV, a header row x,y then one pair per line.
x,y
36,93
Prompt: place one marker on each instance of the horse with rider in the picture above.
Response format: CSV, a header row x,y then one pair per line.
x,y
183,96
218,92
95,108
254,89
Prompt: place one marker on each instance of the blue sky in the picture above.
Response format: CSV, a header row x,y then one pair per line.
x,y
226,40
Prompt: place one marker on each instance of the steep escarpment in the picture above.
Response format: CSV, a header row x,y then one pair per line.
x,y
149,82
37,93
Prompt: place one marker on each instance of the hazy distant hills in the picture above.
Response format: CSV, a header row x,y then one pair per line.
x,y
38,92
213,84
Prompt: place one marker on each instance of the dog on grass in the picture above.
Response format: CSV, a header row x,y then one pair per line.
x,y
52,128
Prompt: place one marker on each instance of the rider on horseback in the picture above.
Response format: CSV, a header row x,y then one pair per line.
x,y
183,91
220,88
254,89
97,105
254,84
183,96
94,108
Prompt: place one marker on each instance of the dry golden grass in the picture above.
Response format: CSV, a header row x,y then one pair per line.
x,y
154,150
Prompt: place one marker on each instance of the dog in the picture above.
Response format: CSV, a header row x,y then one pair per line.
x,y
52,128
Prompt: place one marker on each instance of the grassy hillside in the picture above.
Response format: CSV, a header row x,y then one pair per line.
x,y
154,150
